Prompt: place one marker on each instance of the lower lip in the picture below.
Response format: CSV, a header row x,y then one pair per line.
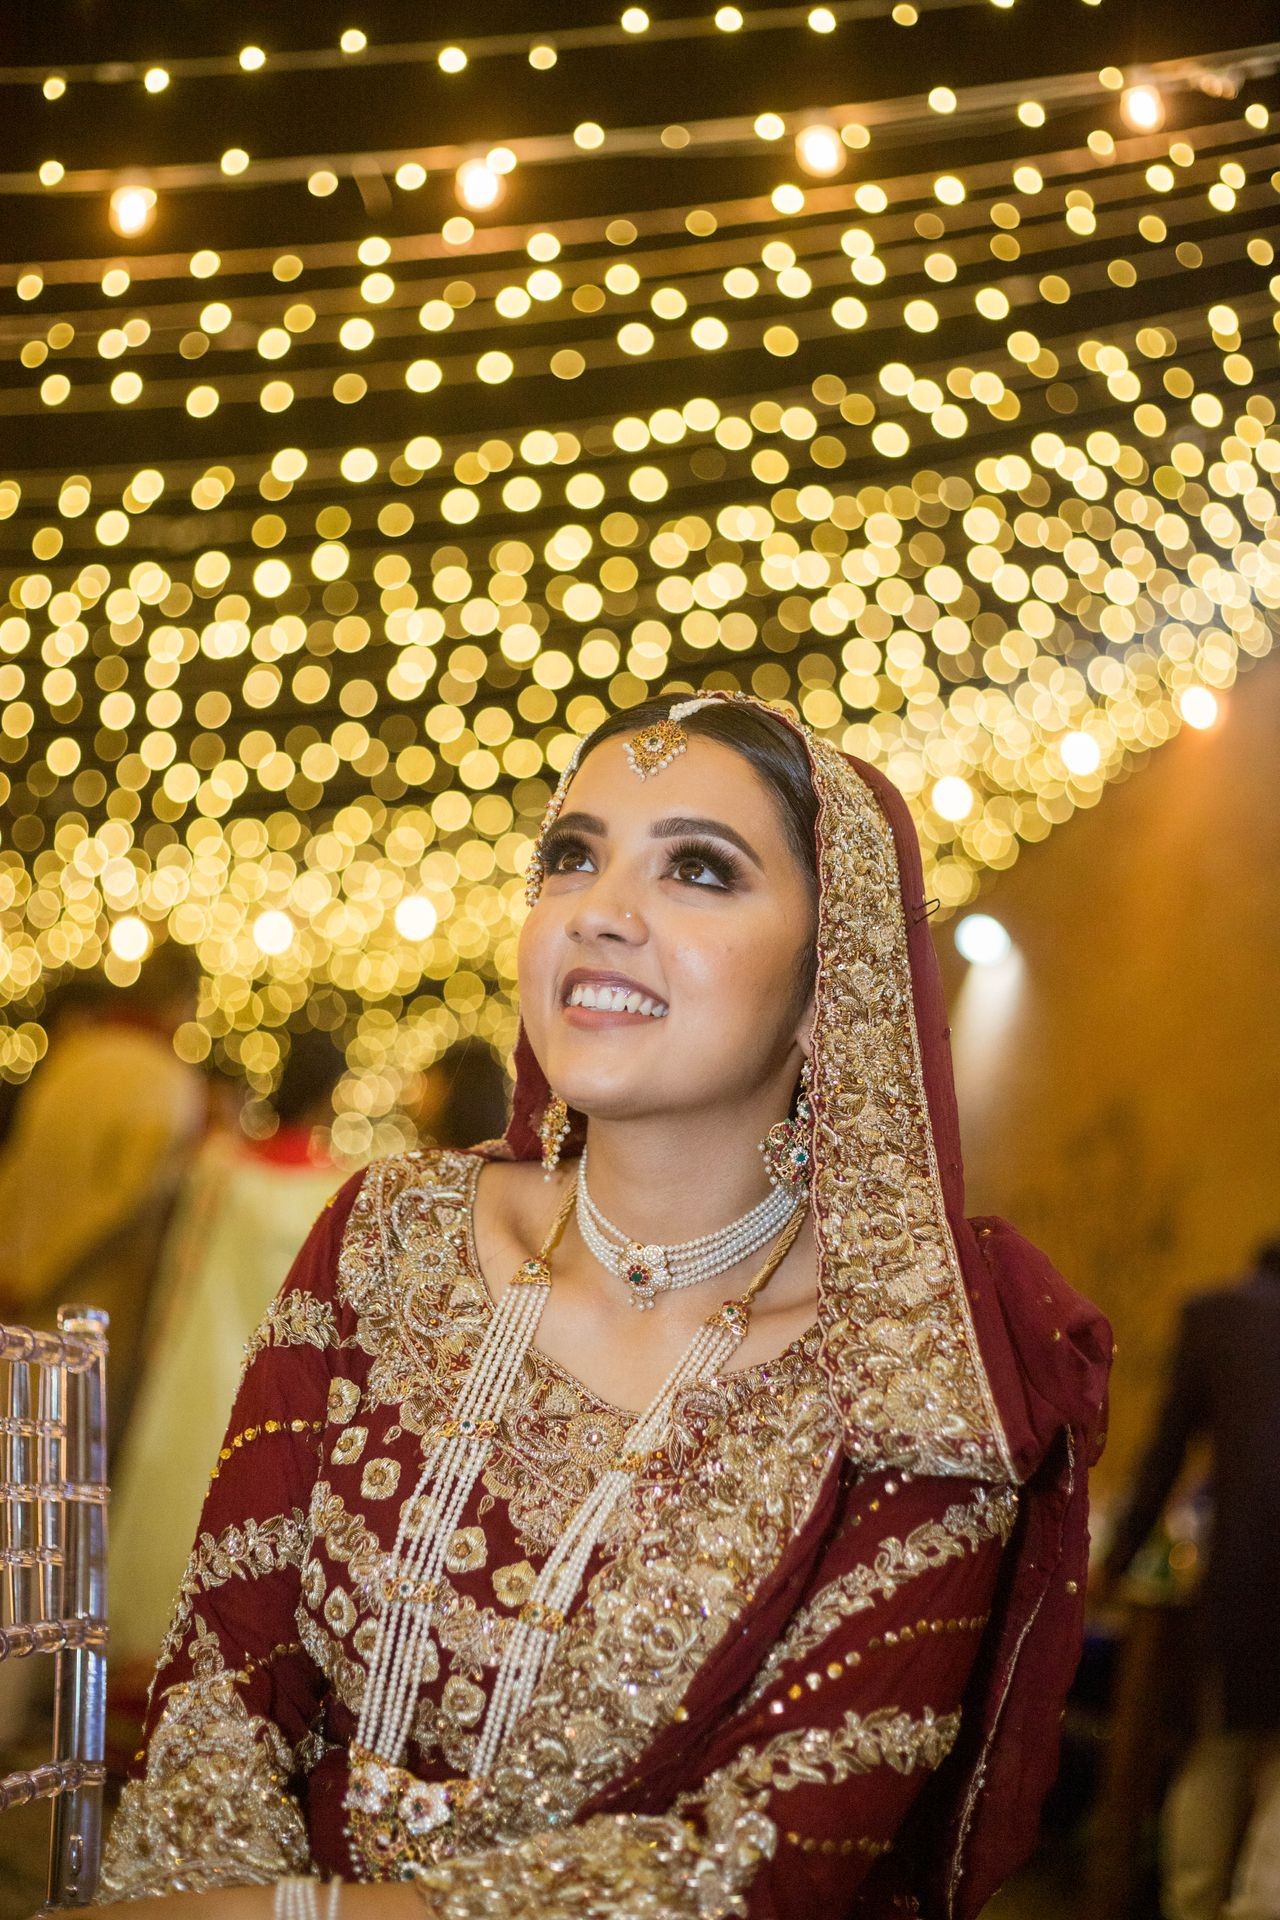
x,y
593,1018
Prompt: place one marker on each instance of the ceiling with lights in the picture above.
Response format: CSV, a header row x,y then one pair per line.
x,y
914,365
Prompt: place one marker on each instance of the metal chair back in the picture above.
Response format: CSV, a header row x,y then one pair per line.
x,y
53,1572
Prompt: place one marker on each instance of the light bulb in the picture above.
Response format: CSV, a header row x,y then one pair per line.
x,y
953,798
820,150
1198,707
1081,753
129,938
132,210
273,932
1142,108
415,917
478,186
982,941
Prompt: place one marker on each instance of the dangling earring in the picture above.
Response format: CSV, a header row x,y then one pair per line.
x,y
553,1130
788,1146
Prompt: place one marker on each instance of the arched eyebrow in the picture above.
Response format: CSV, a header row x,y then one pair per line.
x,y
671,828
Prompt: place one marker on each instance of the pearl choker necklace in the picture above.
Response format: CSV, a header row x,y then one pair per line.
x,y
648,1270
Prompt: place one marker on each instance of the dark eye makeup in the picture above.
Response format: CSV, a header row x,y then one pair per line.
x,y
692,861
562,849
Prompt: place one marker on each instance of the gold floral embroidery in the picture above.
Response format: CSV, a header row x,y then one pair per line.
x,y
348,1539
344,1398
514,1584
649,1869
339,1612
467,1550
249,1551
294,1319
346,1676
962,1529
898,1338
313,1585
751,1455
348,1446
211,1810
463,1701
407,1266
380,1479
653,1613
828,1756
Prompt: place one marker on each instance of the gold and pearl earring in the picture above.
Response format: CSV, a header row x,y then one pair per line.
x,y
553,1131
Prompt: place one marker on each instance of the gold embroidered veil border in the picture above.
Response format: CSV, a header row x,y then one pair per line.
x,y
899,1342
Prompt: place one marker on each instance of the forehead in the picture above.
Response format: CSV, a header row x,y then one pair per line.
x,y
708,779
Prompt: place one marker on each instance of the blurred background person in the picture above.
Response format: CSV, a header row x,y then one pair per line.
x,y
74,1003
1220,1843
99,1146
461,1099
245,1210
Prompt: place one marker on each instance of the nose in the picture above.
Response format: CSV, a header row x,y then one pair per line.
x,y
606,911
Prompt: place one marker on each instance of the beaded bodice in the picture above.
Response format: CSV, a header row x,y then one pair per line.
x,y
421,1307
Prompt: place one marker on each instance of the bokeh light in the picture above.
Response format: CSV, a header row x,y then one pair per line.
x,y
340,540
982,940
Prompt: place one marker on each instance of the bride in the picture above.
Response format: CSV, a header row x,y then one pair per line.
x,y
678,1507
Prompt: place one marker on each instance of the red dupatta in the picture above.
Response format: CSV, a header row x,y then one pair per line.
x,y
952,1346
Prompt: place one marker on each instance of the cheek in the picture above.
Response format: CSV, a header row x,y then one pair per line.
x,y
535,961
745,970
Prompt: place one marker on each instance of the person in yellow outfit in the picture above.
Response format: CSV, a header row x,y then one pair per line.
x,y
242,1215
99,1147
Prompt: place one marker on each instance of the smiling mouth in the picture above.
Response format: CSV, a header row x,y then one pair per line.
x,y
605,999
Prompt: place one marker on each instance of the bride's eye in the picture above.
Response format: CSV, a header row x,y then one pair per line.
x,y
564,853
704,866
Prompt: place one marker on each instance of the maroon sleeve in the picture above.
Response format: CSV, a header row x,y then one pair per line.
x,y
230,1718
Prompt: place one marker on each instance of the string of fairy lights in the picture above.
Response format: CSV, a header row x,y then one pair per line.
x,y
973,465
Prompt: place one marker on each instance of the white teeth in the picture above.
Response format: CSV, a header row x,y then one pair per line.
x,y
616,1000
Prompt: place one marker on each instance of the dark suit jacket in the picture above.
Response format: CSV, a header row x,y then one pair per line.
x,y
1225,1384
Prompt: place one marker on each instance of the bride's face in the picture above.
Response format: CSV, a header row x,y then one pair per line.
x,y
677,905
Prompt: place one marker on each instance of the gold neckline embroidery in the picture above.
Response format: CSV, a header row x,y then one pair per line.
x,y
757,1374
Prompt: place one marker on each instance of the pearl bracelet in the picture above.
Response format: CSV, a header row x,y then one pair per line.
x,y
299,1899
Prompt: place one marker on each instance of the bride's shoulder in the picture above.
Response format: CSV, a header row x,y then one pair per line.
x,y
507,1197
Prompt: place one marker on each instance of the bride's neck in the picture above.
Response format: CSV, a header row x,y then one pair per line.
x,y
670,1180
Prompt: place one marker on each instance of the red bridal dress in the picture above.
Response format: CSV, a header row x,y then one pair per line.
x,y
818,1660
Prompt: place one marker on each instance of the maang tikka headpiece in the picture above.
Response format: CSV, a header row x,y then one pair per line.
x,y
657,745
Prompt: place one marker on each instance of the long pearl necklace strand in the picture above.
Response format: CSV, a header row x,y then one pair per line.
x,y
383,1795
648,1270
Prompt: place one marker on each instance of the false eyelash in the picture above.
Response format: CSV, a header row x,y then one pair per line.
x,y
559,841
712,855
